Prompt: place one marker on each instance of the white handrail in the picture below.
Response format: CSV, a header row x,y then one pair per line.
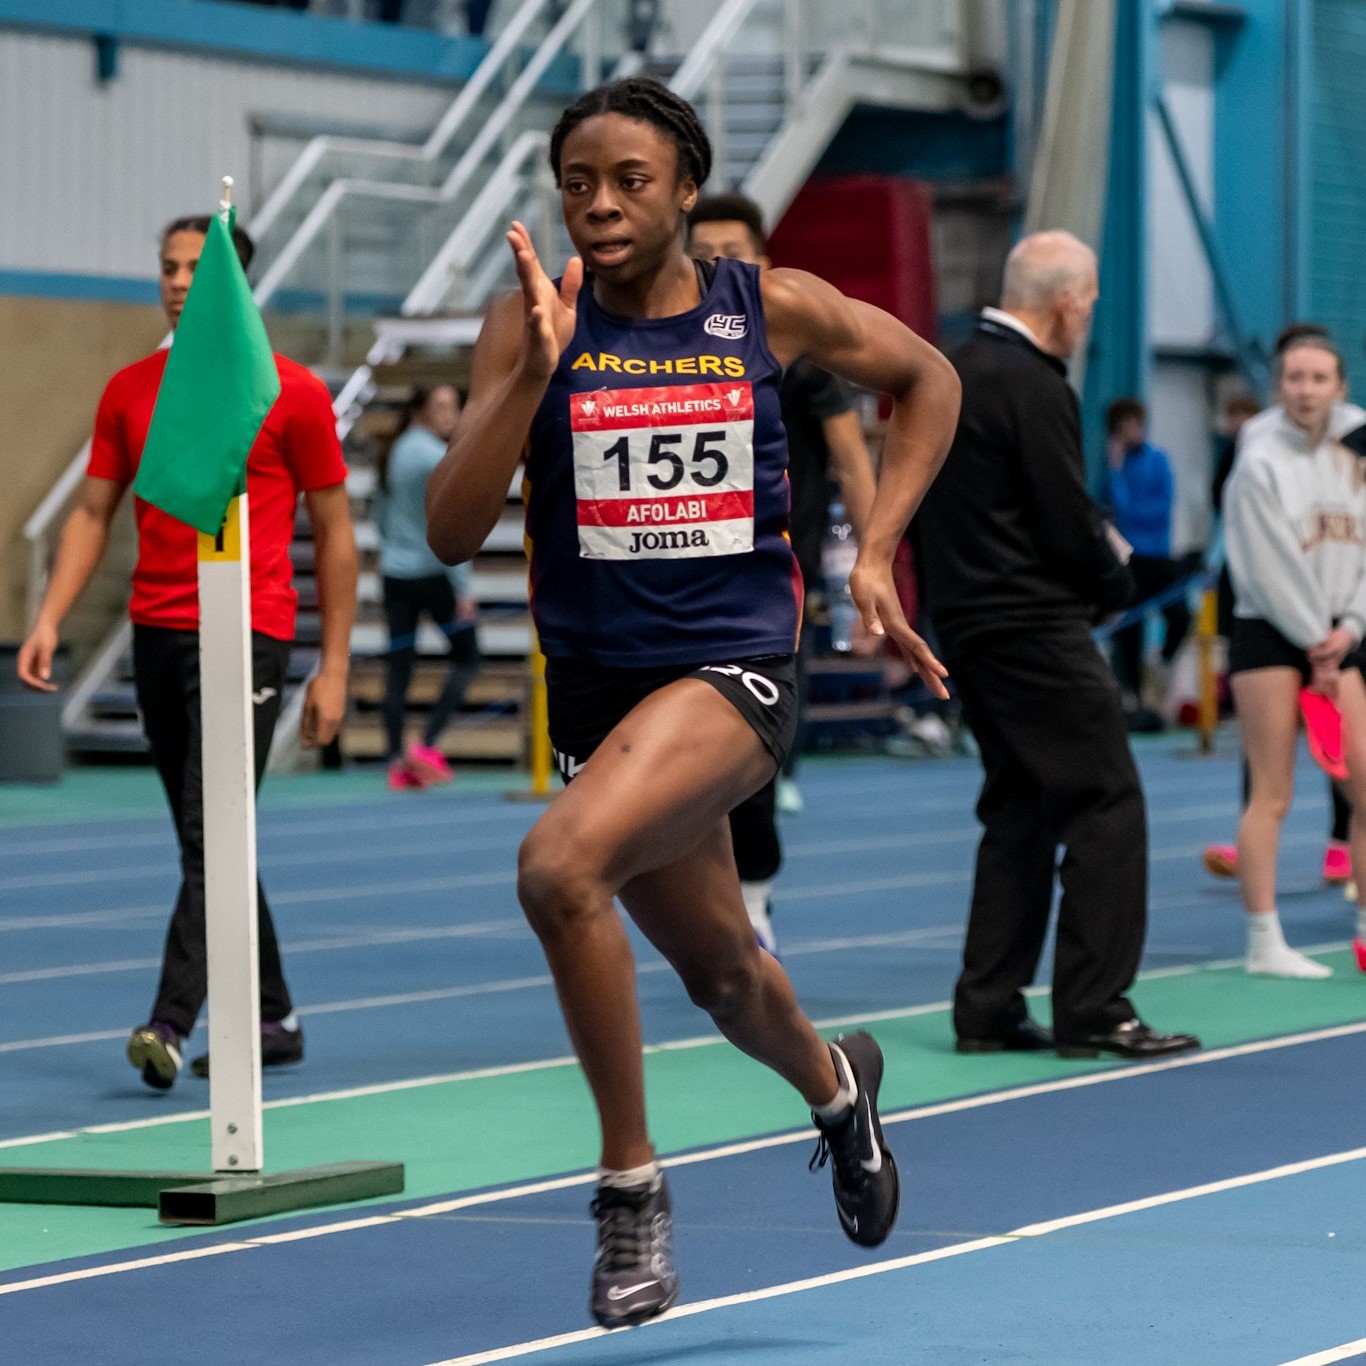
x,y
450,123
464,169
431,287
715,39
318,217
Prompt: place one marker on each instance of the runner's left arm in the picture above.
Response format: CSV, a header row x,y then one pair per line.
x,y
808,317
329,510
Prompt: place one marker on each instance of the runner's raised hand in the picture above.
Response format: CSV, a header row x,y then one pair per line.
x,y
551,314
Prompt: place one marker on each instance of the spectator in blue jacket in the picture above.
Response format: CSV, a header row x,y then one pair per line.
x,y
1140,489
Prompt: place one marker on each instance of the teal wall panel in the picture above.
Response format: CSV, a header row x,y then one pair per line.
x,y
1337,179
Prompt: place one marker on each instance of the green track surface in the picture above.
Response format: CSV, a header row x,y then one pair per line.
x,y
698,1097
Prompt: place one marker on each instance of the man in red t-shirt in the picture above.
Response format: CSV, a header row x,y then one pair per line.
x,y
296,451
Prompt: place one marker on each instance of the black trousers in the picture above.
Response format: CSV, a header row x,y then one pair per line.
x,y
1151,576
754,833
1047,717
405,600
166,675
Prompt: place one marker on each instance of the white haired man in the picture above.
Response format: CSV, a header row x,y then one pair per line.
x,y
1019,564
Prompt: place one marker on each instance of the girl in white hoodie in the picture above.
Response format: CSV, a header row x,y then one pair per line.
x,y
1295,529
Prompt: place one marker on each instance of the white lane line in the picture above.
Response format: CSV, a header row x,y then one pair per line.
x,y
687,1311
715,1153
797,949
141,1264
523,1349
1037,1230
675,1045
1346,1352
509,924
469,808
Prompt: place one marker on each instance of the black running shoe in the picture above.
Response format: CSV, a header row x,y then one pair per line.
x,y
154,1049
867,1186
279,1048
633,1275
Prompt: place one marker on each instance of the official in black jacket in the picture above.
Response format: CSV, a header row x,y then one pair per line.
x,y
1018,565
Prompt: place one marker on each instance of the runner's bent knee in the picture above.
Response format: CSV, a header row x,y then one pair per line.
x,y
556,882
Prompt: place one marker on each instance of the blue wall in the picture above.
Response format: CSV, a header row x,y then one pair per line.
x,y
924,146
1337,178
265,35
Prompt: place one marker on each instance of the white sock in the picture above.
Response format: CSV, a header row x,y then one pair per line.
x,y
632,1178
1269,955
756,896
834,1110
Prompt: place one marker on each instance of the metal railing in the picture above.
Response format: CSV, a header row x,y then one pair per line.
x,y
808,44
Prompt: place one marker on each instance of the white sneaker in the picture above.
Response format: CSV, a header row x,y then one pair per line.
x,y
789,798
1286,962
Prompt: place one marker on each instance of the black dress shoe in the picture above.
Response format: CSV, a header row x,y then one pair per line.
x,y
279,1048
1132,1039
1025,1037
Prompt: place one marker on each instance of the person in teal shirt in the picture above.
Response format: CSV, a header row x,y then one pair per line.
x,y
416,583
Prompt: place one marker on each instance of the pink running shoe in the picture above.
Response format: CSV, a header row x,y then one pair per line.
x,y
402,778
1337,864
429,764
1359,952
1221,860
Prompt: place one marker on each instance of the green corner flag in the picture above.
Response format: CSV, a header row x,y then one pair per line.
x,y
220,383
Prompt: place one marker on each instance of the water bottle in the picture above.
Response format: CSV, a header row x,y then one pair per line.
x,y
838,555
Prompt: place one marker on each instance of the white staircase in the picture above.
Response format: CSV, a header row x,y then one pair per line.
x,y
356,220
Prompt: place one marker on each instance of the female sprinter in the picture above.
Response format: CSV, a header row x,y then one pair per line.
x,y
1295,528
643,388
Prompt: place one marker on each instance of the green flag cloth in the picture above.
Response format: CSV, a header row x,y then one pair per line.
x,y
219,384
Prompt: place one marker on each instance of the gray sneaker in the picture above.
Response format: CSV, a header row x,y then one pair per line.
x,y
633,1275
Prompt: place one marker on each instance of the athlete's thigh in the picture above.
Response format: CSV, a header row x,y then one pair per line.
x,y
664,776
1267,702
691,910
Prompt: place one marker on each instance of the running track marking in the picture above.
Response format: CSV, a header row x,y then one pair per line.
x,y
1346,1352
523,1349
330,857
939,1254
669,1046
443,1207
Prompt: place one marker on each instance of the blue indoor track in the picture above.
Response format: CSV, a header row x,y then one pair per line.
x,y
1209,1210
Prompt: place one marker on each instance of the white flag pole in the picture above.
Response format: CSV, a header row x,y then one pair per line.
x,y
225,691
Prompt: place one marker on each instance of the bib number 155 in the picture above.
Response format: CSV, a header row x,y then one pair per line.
x,y
668,461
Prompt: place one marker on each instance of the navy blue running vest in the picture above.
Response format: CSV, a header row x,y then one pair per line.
x,y
656,488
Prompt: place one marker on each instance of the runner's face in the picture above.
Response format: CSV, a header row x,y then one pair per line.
x,y
622,196
1310,384
179,256
726,238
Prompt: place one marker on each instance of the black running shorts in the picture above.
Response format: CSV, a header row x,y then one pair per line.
x,y
587,700
1257,644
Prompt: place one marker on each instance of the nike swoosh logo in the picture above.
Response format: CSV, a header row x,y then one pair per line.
x,y
620,1292
850,1221
875,1165
263,696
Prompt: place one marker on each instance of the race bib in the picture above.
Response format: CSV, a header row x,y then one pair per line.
x,y
664,473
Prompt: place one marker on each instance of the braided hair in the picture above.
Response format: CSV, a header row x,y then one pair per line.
x,y
646,100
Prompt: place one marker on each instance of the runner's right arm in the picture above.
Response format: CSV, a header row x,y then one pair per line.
x,y
84,539
514,358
